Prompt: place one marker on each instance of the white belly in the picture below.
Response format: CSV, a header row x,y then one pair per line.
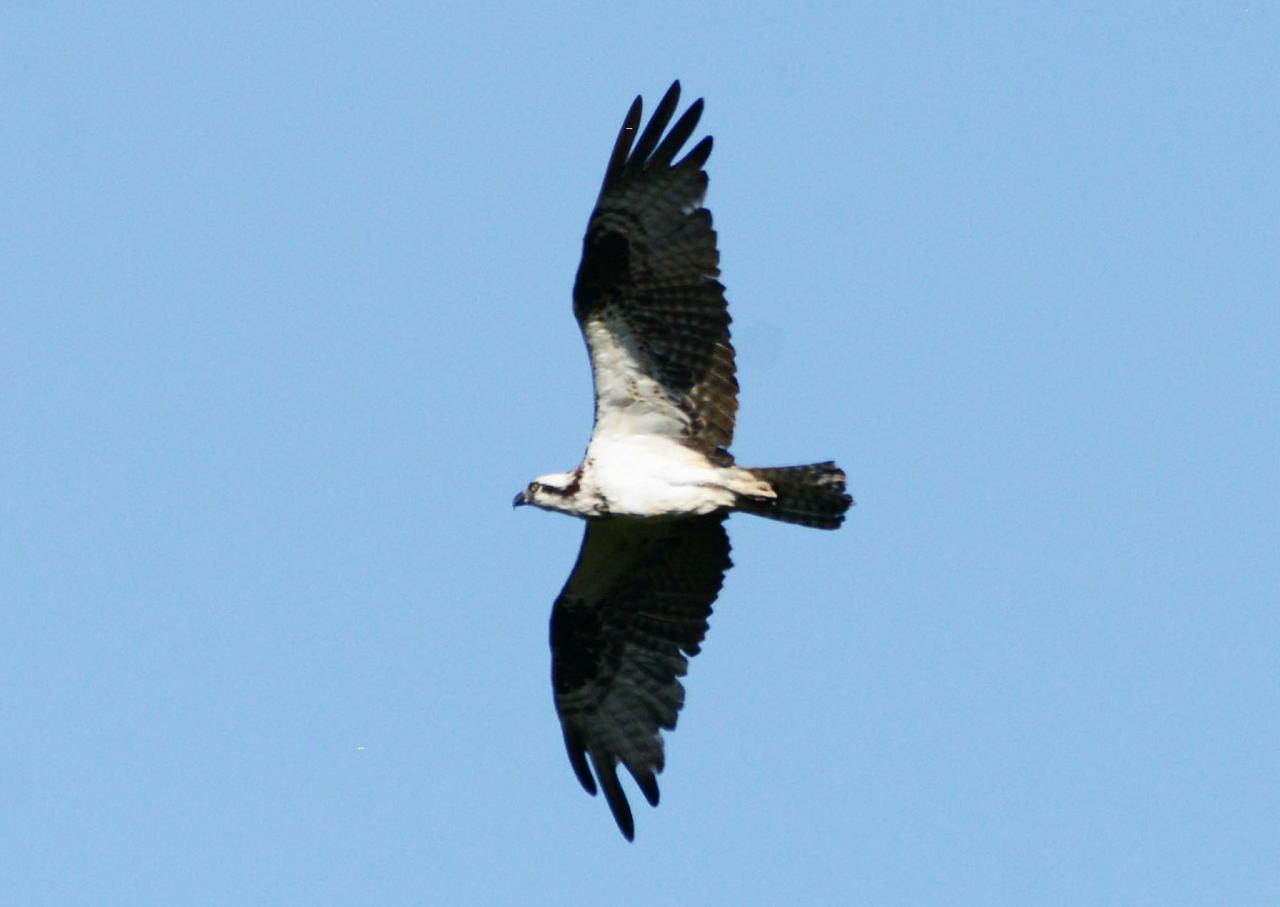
x,y
653,475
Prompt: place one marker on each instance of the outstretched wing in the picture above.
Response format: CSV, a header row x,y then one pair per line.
x,y
651,309
633,612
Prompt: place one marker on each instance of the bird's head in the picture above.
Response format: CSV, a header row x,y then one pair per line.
x,y
552,492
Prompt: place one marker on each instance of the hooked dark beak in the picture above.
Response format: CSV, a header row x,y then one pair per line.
x,y
521,498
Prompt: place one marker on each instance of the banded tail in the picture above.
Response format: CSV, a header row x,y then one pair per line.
x,y
811,495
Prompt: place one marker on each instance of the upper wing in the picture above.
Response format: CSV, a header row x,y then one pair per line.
x,y
647,298
634,610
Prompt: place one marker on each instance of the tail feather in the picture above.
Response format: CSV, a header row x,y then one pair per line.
x,y
812,495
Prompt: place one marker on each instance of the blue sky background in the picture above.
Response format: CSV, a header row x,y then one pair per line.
x,y
285,324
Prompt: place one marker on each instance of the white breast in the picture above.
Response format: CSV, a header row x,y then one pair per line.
x,y
653,475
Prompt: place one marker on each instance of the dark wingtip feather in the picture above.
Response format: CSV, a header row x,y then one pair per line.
x,y
617,800
696,158
578,759
657,125
678,135
648,785
622,146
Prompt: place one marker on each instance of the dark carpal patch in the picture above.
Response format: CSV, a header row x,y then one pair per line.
x,y
580,644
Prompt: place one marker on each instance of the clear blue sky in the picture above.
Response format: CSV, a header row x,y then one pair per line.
x,y
285,324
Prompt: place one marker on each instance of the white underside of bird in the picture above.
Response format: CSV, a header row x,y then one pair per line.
x,y
638,462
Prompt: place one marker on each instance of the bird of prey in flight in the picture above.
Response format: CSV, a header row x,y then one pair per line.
x,y
657,480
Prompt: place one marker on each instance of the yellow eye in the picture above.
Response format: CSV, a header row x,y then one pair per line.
x,y
535,486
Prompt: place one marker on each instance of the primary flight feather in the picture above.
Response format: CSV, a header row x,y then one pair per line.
x,y
657,481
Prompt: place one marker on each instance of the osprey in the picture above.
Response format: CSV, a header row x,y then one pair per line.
x,y
657,481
